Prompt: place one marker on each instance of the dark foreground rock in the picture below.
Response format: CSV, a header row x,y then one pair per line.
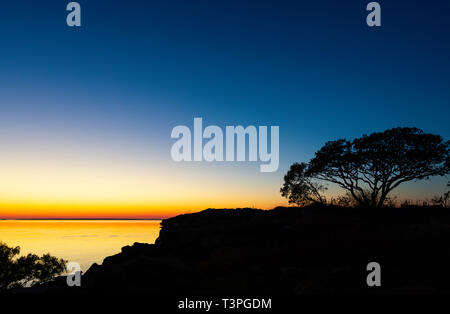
x,y
281,251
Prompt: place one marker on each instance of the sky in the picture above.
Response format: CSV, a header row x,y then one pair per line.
x,y
86,112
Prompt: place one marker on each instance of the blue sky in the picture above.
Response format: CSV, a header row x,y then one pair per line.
x,y
113,89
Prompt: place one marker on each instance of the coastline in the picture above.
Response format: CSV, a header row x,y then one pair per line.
x,y
287,251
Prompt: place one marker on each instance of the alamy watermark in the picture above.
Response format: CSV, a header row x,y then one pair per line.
x,y
235,144
74,16
73,278
374,277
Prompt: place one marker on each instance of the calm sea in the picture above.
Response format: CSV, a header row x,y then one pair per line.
x,y
82,241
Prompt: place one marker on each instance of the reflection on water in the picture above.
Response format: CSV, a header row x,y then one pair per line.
x,y
82,241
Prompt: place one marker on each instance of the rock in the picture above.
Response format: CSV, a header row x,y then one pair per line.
x,y
318,249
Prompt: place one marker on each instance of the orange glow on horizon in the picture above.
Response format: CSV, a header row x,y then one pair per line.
x,y
44,185
114,211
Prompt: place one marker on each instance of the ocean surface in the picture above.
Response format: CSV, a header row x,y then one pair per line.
x,y
82,241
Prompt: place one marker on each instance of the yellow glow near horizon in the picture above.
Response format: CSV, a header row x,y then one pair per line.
x,y
81,188
84,242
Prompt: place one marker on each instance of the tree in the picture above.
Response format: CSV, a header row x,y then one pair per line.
x,y
370,167
299,188
443,200
17,271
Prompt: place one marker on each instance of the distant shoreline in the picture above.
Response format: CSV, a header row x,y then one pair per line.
x,y
82,218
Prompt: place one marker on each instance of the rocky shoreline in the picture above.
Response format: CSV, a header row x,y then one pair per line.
x,y
289,251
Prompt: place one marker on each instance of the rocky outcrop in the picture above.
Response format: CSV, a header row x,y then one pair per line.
x,y
285,250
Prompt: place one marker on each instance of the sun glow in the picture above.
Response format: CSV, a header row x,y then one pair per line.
x,y
91,189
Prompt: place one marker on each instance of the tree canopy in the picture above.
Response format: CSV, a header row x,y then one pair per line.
x,y
16,271
370,167
301,189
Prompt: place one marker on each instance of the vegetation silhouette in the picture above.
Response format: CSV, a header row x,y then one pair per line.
x,y
443,200
300,188
368,168
27,270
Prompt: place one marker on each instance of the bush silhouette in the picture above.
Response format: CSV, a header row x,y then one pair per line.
x,y
29,269
370,167
443,200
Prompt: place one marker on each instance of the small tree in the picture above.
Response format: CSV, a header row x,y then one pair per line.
x,y
17,271
443,200
301,189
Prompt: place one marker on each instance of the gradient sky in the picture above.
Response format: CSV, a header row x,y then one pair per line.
x,y
86,113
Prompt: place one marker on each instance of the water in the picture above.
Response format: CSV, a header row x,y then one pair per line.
x,y
82,241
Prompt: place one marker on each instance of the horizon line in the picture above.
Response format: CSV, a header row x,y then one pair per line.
x,y
84,218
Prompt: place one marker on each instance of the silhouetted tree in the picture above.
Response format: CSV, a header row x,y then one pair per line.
x,y
301,189
17,271
443,200
370,167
